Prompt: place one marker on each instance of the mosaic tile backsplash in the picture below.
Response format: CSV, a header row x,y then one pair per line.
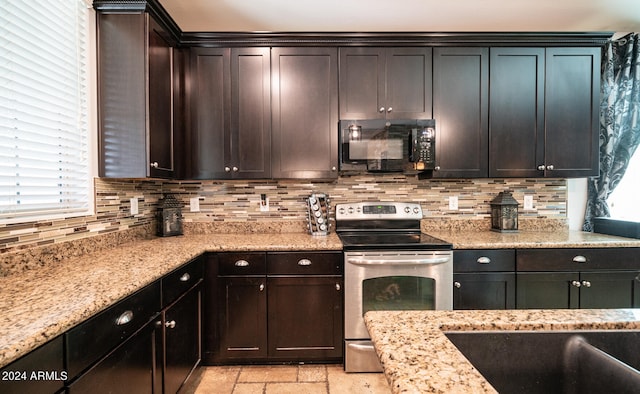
x,y
224,204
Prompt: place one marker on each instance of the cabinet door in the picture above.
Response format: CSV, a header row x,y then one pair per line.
x,y
242,319
250,113
460,108
305,113
486,290
409,83
15,378
553,290
182,339
305,318
516,117
160,96
610,289
362,83
209,141
572,98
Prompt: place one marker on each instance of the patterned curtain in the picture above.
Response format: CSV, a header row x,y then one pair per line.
x,y
619,122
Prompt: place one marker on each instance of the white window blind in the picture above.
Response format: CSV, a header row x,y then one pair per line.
x,y
44,144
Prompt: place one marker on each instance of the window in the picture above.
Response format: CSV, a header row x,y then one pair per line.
x,y
45,160
623,201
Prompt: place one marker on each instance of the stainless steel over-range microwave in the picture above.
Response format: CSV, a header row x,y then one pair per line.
x,y
387,145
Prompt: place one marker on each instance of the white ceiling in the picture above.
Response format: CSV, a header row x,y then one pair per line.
x,y
405,15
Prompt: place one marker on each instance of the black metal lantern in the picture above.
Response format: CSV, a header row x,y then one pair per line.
x,y
504,213
169,217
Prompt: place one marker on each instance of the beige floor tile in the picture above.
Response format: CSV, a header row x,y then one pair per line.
x,y
249,388
276,373
219,380
312,373
341,382
297,388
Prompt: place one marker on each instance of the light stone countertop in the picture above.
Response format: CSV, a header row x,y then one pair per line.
x,y
418,358
39,304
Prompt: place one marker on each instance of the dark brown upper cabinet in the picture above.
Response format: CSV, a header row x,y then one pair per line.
x,y
304,113
461,110
136,80
544,112
230,103
385,83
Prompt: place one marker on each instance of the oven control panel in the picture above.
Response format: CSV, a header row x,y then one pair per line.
x,y
378,210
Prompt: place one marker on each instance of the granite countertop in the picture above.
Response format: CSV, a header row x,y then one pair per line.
x,y
418,358
40,304
529,239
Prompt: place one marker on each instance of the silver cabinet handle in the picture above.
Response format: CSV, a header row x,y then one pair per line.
x,y
304,262
235,169
550,167
457,285
575,283
227,169
541,167
241,263
586,283
154,164
338,286
579,259
381,110
124,318
483,260
389,109
333,168
261,287
436,168
170,324
185,277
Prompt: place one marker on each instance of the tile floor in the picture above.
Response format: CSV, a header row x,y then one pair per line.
x,y
286,379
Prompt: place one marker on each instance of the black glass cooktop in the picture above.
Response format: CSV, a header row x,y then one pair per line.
x,y
392,240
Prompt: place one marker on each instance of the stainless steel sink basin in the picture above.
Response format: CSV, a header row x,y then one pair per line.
x,y
554,362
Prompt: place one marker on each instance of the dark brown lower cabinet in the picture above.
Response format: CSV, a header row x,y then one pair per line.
x,y
603,289
21,376
305,318
484,290
130,368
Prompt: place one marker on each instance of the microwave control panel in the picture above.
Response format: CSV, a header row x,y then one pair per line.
x,y
423,147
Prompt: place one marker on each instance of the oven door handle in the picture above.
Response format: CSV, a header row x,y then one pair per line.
x,y
398,260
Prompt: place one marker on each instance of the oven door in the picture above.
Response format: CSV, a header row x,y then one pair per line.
x,y
400,280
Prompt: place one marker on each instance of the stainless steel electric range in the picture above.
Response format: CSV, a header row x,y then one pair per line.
x,y
389,265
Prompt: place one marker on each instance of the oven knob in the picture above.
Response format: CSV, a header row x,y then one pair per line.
x,y
350,209
407,209
416,210
341,211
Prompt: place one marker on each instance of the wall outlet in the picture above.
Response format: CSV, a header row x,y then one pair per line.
x,y
528,202
453,203
194,204
264,203
134,206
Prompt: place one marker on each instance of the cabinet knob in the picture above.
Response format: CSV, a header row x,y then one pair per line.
x,y
261,287
333,168
550,167
124,318
227,169
457,285
381,110
338,286
579,259
185,277
170,324
541,167
235,169
304,262
241,263
436,168
575,283
154,164
483,260
389,109
586,283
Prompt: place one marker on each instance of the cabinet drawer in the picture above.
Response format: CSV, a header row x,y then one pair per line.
x,y
481,260
578,259
242,264
181,280
304,263
92,339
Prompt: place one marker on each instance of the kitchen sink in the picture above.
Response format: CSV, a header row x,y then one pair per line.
x,y
578,361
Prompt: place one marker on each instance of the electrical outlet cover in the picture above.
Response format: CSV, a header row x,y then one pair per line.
x,y
453,203
194,204
134,206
